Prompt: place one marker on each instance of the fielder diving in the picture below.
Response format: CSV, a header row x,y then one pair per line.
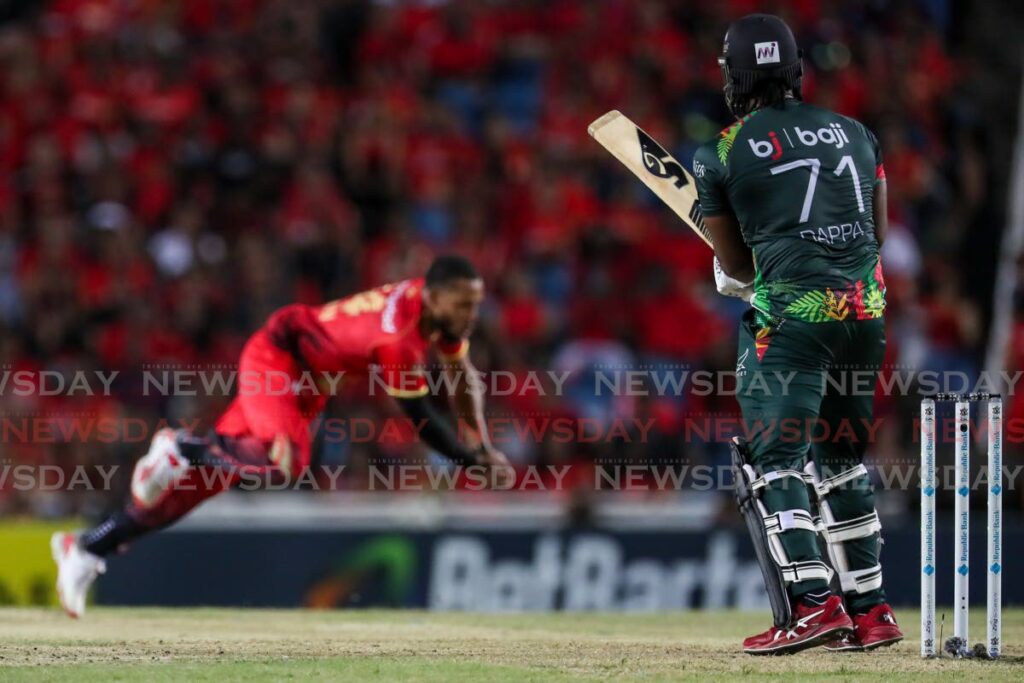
x,y
389,330
794,197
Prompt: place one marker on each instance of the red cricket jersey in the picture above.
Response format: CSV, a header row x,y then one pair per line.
x,y
377,330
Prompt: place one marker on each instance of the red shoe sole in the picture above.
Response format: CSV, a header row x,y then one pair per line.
x,y
808,643
885,642
852,647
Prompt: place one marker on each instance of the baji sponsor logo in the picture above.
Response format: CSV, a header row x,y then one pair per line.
x,y
833,135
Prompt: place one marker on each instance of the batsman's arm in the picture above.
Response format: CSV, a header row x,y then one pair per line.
x,y
732,252
881,211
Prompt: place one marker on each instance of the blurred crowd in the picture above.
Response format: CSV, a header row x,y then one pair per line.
x,y
173,171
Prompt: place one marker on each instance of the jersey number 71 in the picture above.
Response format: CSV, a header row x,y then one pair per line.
x,y
815,166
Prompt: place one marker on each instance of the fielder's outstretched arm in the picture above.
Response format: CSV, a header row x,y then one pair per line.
x,y
435,432
468,404
467,398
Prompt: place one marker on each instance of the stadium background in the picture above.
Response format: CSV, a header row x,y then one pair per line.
x,y
171,172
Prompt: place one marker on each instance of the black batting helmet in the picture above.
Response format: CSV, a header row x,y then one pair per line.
x,y
758,47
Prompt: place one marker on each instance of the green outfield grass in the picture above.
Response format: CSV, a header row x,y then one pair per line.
x,y
269,645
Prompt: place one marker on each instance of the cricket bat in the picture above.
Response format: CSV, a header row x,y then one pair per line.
x,y
655,167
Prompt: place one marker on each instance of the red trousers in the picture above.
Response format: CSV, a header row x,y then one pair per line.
x,y
268,418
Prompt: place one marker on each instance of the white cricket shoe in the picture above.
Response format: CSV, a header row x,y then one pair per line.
x,y
76,571
158,470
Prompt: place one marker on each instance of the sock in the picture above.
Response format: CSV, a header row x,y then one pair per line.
x,y
862,603
105,538
815,598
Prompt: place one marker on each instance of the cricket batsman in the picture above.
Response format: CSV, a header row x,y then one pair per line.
x,y
795,199
388,330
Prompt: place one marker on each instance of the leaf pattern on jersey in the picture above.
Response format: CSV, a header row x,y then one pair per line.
x,y
809,307
855,295
762,319
725,140
868,300
820,306
862,299
871,295
761,341
878,278
782,288
874,303
836,307
727,137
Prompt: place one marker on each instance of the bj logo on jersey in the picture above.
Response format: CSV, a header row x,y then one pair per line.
x,y
767,148
833,134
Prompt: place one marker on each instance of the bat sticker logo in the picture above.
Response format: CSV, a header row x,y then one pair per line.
x,y
659,162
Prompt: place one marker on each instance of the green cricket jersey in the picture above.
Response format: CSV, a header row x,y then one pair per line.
x,y
801,180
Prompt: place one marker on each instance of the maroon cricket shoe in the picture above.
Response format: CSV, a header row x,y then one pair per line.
x,y
812,625
876,628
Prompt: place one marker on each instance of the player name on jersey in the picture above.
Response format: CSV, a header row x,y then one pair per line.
x,y
834,234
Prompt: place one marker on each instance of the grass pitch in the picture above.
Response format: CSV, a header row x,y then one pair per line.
x,y
114,644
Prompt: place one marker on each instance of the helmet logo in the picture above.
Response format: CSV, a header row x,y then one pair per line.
x,y
767,53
